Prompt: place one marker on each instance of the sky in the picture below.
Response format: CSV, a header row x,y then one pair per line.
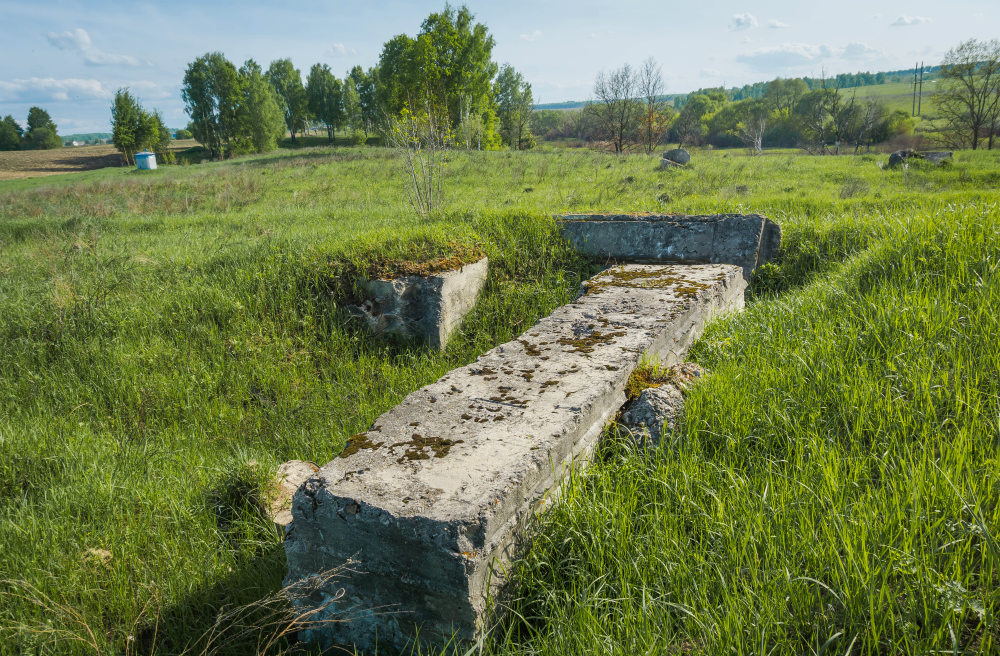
x,y
69,56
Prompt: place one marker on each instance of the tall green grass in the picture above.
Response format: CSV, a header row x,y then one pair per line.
x,y
168,339
835,490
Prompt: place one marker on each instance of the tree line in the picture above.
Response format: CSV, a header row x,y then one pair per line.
x,y
629,112
41,132
445,72
824,115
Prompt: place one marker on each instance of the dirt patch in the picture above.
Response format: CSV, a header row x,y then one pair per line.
x,y
69,159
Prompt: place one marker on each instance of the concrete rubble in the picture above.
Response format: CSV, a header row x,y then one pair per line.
x,y
657,412
748,240
428,308
431,501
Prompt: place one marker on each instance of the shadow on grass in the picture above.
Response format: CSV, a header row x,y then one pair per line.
x,y
196,624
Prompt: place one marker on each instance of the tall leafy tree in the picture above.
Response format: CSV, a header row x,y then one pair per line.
x,y
42,132
261,117
325,92
456,55
11,133
690,126
782,94
512,94
211,93
352,109
447,70
364,82
396,81
287,81
126,124
134,129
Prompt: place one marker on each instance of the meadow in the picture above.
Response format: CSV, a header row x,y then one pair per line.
x,y
169,337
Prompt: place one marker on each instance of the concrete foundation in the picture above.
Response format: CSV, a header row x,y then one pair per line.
x,y
427,308
432,499
748,240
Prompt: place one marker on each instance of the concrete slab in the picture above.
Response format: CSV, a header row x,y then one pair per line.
x,y
748,240
431,500
429,308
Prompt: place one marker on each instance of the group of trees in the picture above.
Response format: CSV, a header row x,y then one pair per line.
x,y
630,112
445,74
969,100
41,133
336,103
821,115
234,111
133,129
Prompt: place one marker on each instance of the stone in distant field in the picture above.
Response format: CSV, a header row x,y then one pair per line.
x,y
658,410
936,156
677,156
900,156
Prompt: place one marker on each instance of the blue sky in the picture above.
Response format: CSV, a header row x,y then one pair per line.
x,y
69,56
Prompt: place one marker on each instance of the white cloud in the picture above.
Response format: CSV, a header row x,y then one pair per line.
x,y
906,21
78,41
534,36
776,24
709,72
859,50
340,50
743,21
787,55
150,90
37,89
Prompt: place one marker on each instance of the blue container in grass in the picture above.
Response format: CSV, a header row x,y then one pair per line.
x,y
145,160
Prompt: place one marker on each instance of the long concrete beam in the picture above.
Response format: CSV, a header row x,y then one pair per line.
x,y
431,500
748,240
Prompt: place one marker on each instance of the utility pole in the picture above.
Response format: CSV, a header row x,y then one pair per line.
x,y
920,93
913,112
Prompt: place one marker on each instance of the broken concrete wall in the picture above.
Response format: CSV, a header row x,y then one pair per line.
x,y
747,240
432,499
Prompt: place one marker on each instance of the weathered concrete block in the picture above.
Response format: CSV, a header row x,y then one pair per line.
x,y
747,240
432,499
430,307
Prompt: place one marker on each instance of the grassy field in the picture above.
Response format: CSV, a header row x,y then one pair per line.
x,y
169,337
16,164
897,95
